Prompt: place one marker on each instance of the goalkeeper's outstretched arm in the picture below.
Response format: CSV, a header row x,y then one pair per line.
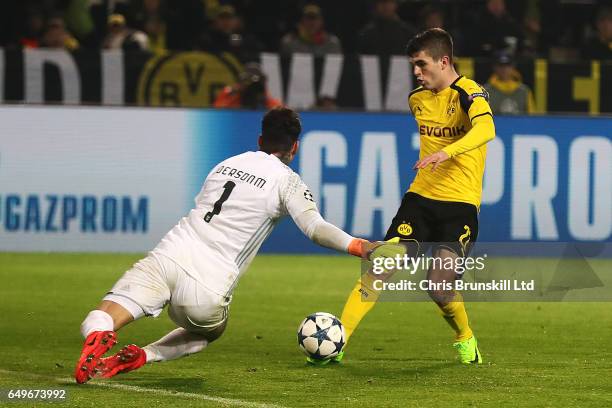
x,y
323,233
301,207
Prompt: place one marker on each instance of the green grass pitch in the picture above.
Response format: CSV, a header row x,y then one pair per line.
x,y
536,354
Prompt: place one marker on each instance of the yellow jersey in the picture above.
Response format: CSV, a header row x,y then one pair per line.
x,y
457,120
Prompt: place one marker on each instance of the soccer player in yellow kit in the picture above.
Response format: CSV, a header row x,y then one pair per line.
x,y
441,206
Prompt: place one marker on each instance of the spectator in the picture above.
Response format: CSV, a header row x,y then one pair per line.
x,y
600,47
325,103
34,26
533,43
385,34
250,92
56,35
267,20
507,94
311,36
78,18
226,36
346,25
120,36
150,18
495,29
431,17
434,17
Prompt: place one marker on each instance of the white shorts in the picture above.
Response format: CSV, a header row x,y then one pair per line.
x,y
156,281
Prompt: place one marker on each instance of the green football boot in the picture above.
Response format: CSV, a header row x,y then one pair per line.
x,y
468,351
338,358
316,362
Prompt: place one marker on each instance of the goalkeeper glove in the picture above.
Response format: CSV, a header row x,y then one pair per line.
x,y
371,250
387,249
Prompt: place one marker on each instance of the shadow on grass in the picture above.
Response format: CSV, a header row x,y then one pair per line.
x,y
141,380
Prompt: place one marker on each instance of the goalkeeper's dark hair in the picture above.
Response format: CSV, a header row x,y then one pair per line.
x,y
435,42
280,129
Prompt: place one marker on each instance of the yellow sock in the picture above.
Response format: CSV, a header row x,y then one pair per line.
x,y
455,315
355,308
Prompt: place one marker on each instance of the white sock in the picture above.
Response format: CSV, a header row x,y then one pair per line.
x,y
96,320
178,343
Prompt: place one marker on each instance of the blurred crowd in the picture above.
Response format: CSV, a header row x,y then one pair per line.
x,y
561,30
499,30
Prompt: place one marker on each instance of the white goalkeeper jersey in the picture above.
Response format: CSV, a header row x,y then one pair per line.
x,y
241,201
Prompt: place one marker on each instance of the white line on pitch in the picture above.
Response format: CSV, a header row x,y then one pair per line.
x,y
157,391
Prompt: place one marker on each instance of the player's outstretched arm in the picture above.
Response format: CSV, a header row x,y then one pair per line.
x,y
328,235
300,205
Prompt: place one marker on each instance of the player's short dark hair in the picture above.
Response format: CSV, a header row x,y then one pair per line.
x,y
280,129
435,41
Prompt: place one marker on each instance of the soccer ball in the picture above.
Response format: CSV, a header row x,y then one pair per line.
x,y
321,336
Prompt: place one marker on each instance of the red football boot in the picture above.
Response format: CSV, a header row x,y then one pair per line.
x,y
96,345
127,359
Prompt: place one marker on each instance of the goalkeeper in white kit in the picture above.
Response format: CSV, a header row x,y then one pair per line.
x,y
196,266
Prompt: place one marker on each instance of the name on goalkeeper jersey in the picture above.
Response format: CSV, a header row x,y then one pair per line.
x,y
242,176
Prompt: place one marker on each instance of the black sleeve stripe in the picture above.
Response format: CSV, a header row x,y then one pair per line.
x,y
482,114
464,98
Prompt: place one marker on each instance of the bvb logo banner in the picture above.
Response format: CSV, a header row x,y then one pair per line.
x,y
189,79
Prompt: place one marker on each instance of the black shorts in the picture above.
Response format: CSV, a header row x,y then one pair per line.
x,y
423,221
